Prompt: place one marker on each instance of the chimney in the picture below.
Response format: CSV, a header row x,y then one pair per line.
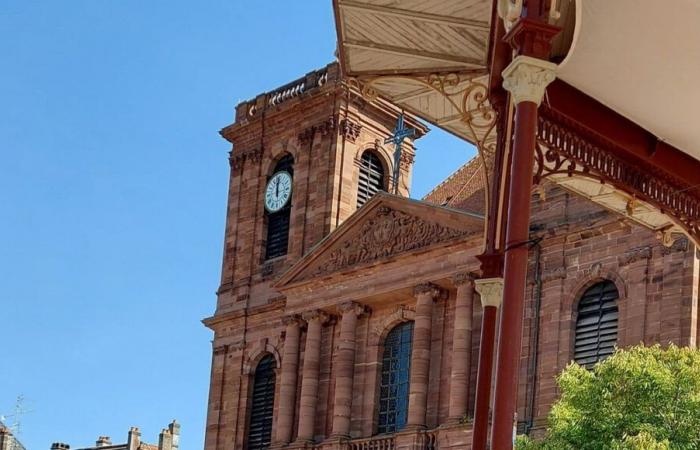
x,y
174,428
165,440
60,446
103,441
134,439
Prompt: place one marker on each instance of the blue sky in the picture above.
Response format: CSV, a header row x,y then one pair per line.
x,y
113,186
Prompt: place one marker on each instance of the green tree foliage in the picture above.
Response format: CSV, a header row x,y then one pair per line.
x,y
643,398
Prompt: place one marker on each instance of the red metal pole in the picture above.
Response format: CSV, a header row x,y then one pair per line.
x,y
515,273
483,380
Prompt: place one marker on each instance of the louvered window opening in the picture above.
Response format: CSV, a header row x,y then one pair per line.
x,y
277,242
371,177
262,404
394,381
596,324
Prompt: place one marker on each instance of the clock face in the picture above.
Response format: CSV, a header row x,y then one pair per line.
x,y
278,191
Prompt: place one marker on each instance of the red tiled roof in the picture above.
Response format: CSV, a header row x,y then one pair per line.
x,y
464,189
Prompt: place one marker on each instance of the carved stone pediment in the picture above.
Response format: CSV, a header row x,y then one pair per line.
x,y
386,227
389,232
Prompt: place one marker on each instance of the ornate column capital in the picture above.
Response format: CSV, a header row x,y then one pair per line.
x,y
526,78
351,306
315,314
294,319
429,289
490,290
462,278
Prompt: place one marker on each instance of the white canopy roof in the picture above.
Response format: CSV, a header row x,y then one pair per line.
x,y
641,58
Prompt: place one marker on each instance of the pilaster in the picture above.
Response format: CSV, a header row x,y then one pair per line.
x,y
461,346
425,294
345,368
288,380
310,373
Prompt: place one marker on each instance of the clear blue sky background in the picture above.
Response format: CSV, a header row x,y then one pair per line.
x,y
112,193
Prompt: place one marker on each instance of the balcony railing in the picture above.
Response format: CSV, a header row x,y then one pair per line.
x,y
375,443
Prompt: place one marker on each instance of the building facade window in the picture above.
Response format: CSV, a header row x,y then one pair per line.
x,y
596,324
262,404
394,380
277,241
371,178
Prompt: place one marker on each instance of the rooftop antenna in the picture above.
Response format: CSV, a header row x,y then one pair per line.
x,y
16,416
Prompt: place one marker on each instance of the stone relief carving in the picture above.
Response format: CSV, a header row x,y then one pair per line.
x,y
349,129
634,255
553,274
322,128
237,159
679,245
401,313
389,232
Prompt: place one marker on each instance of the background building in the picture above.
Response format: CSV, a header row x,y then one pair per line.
x,y
7,440
168,439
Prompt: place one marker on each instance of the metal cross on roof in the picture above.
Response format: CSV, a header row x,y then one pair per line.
x,y
400,133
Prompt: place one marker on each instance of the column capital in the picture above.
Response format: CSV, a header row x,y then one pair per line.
x,y
462,278
293,319
526,78
351,306
429,289
315,314
490,290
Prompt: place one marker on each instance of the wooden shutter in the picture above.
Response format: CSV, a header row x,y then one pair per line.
x,y
262,404
371,178
596,324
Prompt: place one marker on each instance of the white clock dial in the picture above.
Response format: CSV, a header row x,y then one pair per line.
x,y
278,191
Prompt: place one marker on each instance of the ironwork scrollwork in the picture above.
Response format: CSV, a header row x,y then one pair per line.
x,y
561,150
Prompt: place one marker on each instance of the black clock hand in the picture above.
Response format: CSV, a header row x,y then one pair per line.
x,y
277,187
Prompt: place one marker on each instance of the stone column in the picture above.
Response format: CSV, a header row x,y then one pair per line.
x,y
420,355
461,347
345,369
288,381
309,380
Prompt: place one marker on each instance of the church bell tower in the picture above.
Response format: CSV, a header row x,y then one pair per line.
x,y
305,157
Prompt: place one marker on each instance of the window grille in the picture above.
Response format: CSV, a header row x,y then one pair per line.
x,y
596,324
262,404
277,241
371,178
394,381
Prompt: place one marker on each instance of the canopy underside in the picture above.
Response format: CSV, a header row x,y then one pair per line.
x,y
430,57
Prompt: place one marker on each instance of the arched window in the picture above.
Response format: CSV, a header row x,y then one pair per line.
x,y
371,177
278,221
393,384
263,401
596,324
